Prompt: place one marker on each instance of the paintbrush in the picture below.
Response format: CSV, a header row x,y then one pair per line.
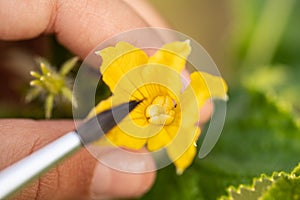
x,y
24,171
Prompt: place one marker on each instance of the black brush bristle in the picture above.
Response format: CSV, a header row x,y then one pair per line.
x,y
103,122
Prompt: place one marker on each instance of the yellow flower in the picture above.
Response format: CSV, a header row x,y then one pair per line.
x,y
168,113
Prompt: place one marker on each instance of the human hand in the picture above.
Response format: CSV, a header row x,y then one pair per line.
x,y
79,26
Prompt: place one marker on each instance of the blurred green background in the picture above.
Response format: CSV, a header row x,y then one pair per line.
x,y
256,46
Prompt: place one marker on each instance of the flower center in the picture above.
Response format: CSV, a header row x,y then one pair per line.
x,y
161,111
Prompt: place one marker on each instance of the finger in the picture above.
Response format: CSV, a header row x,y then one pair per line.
x,y
147,12
79,25
78,177
206,112
120,182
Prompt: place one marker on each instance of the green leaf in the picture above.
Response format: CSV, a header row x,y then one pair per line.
x,y
279,84
244,192
278,186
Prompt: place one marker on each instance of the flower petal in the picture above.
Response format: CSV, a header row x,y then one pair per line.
x,y
148,81
183,150
116,61
167,77
117,137
159,140
190,108
103,105
185,159
206,86
172,55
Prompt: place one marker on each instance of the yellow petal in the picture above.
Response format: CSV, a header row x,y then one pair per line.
x,y
207,86
183,150
147,81
116,61
117,137
135,86
173,128
167,77
138,114
189,107
103,105
103,141
185,160
158,141
173,55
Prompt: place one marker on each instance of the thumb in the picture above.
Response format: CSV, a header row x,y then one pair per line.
x,y
79,177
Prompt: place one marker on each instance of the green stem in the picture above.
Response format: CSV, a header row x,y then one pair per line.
x,y
49,106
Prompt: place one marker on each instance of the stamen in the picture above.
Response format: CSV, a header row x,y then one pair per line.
x,y
161,111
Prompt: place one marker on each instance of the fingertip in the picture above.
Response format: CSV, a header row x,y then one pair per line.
x,y
112,183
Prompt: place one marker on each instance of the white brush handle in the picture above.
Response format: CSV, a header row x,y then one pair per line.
x,y
23,171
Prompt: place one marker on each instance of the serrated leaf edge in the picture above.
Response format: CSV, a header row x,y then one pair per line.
x,y
231,190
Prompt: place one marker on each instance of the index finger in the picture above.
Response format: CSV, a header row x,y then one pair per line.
x,y
78,25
